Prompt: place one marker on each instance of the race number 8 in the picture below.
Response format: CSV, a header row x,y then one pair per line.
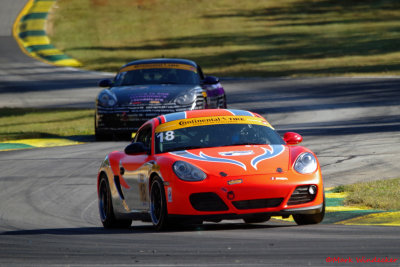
x,y
168,136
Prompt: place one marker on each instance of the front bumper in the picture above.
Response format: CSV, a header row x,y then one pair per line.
x,y
233,216
130,118
256,194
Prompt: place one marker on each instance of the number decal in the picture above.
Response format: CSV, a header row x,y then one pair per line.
x,y
168,136
161,137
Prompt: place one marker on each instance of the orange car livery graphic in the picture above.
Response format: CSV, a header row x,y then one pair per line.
x,y
267,153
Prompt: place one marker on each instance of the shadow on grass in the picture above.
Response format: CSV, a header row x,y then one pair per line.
x,y
43,135
38,123
298,43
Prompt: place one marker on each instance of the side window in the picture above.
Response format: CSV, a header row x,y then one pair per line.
x,y
144,136
119,78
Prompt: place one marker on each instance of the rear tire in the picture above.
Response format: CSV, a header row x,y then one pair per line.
x,y
158,205
106,209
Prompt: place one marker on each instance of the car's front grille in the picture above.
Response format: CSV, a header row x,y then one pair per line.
x,y
301,196
133,116
257,203
118,121
207,202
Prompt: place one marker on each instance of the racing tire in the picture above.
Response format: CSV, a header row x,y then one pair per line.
x,y
224,104
106,209
100,135
123,136
257,219
303,219
158,205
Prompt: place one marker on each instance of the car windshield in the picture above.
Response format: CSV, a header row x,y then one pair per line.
x,y
215,136
157,76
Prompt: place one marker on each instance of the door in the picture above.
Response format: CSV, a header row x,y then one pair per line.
x,y
136,169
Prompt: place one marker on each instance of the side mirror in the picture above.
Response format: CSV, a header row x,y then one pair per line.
x,y
211,80
292,138
105,83
136,149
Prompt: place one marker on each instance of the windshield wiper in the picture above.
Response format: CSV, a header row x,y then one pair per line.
x,y
242,144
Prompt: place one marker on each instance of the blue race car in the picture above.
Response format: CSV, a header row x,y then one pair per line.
x,y
144,89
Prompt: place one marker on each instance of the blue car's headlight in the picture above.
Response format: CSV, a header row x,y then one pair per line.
x,y
187,172
305,163
107,99
186,98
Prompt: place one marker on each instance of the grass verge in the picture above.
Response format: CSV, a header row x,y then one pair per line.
x,y
26,123
382,194
234,38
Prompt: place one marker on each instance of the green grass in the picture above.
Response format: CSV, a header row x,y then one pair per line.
x,y
382,194
261,38
17,123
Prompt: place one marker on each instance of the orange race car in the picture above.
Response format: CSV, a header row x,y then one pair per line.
x,y
210,165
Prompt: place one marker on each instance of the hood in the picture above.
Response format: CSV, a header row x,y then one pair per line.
x,y
238,160
154,93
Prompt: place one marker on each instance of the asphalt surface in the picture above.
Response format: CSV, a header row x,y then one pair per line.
x,y
48,204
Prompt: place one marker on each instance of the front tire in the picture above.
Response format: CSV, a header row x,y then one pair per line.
x,y
106,209
303,219
224,103
158,205
99,136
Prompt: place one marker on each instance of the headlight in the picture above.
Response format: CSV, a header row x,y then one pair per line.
x,y
305,163
186,98
107,99
187,172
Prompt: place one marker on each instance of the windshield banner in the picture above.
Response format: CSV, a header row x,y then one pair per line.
x,y
159,66
179,124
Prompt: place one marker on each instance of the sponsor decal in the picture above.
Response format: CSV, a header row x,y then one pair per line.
x,y
149,97
202,121
279,178
159,66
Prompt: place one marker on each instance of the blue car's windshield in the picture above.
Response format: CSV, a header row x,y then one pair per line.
x,y
215,136
157,76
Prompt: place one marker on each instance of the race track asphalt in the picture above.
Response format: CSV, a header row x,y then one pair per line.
x,y
48,204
